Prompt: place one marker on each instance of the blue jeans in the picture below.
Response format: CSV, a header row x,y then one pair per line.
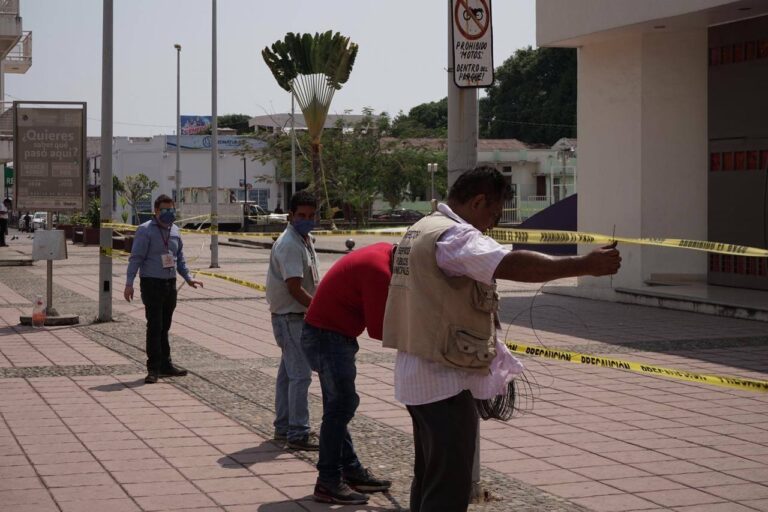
x,y
293,379
332,356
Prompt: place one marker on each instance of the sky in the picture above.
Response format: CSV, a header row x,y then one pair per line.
x,y
401,62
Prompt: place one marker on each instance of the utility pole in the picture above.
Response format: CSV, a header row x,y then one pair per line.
x,y
105,234
293,144
245,196
462,119
179,193
462,156
214,196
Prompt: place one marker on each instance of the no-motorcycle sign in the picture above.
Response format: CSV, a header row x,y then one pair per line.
x,y
472,43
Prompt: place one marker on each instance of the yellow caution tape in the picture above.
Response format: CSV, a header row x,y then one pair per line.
x,y
525,236
231,279
557,355
517,236
646,369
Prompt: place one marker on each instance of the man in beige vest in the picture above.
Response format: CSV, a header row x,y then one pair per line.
x,y
441,318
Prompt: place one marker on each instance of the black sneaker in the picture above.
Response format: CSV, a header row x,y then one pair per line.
x,y
309,443
339,493
364,480
151,378
172,371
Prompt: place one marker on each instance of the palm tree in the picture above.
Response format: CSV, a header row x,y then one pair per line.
x,y
313,68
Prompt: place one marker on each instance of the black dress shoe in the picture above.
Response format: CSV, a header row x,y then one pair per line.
x,y
151,378
172,371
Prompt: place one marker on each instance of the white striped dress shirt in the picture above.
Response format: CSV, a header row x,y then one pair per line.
x,y
462,250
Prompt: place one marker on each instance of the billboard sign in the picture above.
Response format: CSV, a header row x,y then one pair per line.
x,y
196,125
472,43
49,156
226,142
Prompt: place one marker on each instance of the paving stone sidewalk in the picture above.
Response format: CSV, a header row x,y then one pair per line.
x,y
80,431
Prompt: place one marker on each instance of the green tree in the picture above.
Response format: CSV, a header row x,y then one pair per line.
x,y
136,188
533,98
313,68
361,163
426,120
237,121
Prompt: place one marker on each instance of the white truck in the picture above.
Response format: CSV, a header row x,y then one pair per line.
x,y
196,210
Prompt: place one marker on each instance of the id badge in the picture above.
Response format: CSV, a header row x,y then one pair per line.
x,y
315,274
168,260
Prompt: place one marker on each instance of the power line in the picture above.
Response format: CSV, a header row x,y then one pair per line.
x,y
137,124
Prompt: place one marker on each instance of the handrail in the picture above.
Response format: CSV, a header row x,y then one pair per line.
x,y
23,49
9,7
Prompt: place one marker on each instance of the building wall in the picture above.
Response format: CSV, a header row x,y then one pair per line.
x,y
642,118
674,145
559,21
609,112
151,157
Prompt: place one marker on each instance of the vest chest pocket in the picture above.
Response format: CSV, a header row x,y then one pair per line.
x,y
469,349
485,298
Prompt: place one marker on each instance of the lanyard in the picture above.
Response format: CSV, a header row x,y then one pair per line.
x,y
163,237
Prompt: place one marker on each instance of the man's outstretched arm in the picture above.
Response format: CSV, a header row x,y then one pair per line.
x,y
535,267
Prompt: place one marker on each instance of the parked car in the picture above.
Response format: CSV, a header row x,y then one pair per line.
x,y
398,215
39,220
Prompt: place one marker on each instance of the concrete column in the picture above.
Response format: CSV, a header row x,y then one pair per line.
x,y
642,114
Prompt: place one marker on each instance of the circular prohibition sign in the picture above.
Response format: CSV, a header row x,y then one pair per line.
x,y
472,22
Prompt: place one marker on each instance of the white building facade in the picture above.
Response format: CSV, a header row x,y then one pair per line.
x,y
156,158
667,91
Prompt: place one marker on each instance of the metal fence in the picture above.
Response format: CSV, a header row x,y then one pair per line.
x,y
22,52
9,7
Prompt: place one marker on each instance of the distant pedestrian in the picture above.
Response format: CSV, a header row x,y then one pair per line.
x,y
157,254
291,282
5,211
278,209
27,223
350,298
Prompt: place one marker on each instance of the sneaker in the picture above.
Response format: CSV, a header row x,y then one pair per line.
x,y
151,378
172,371
339,493
309,443
364,480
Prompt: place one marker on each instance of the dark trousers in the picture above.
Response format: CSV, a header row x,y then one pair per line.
x,y
3,230
444,440
159,298
332,356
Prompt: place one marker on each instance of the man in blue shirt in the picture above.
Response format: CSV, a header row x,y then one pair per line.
x,y
157,255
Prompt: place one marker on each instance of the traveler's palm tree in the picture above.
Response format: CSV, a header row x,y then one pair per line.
x,y
313,67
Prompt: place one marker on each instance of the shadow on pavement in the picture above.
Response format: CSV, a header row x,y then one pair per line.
x,y
635,328
292,506
266,451
118,386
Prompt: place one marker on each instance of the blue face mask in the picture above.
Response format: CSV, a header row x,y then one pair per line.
x,y
304,226
167,216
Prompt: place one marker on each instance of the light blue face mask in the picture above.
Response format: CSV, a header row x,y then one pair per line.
x,y
304,226
167,216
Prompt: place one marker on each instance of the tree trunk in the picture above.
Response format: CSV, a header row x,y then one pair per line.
x,y
316,176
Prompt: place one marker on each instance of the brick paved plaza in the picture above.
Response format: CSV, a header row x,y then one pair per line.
x,y
79,430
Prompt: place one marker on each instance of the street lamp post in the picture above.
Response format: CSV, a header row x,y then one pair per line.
x,y
245,195
432,169
179,194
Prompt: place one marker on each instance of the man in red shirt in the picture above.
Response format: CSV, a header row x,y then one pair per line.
x,y
350,298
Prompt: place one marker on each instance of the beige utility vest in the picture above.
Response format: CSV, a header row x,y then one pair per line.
x,y
449,320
